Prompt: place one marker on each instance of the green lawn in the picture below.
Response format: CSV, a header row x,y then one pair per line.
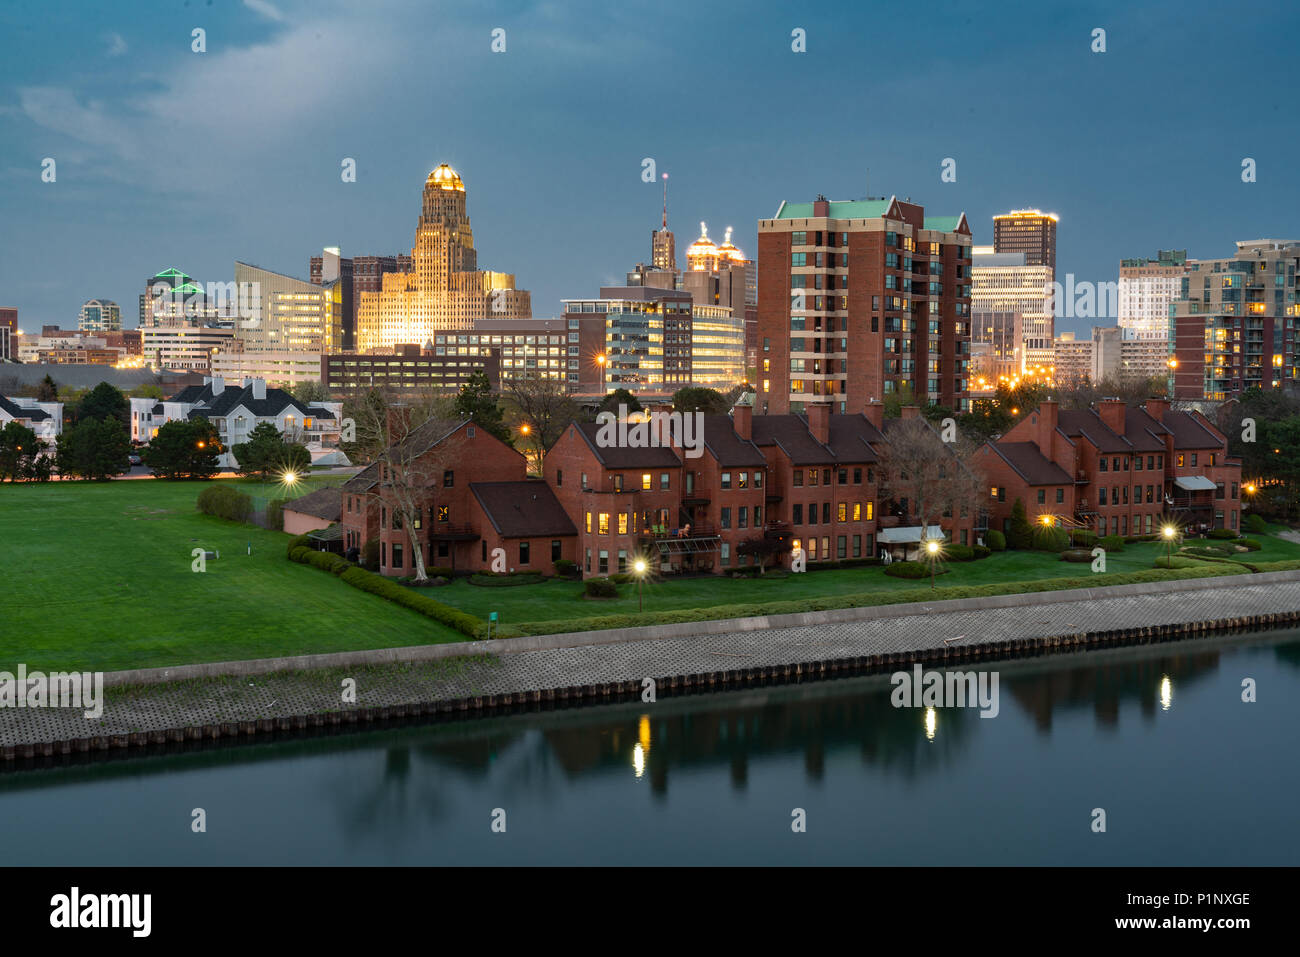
x,y
97,577
561,602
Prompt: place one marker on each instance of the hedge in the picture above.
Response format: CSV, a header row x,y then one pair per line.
x,y
295,542
912,570
1082,538
995,540
869,599
982,551
495,580
959,553
1077,555
1222,533
1255,523
1051,539
388,590
1249,544
600,588
1179,562
225,502
566,568
1112,543
275,514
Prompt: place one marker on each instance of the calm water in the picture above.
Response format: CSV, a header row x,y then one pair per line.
x,y
1159,738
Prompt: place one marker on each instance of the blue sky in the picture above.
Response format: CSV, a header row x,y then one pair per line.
x,y
167,157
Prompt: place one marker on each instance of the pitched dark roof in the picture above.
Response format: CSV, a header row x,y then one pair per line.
x,y
18,412
1189,432
1088,423
1030,464
1143,432
790,434
326,503
853,438
209,405
527,509
616,457
727,447
364,480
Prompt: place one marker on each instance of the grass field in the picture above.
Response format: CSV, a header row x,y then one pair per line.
x,y
97,577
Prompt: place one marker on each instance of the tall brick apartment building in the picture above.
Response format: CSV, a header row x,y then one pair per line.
x,y
858,298
1114,470
811,479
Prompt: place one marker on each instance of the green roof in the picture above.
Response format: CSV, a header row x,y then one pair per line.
x,y
945,224
839,209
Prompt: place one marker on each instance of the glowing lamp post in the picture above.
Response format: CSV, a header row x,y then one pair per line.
x,y
639,567
602,360
1169,532
932,549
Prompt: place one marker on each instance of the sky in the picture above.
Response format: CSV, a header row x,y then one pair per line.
x,y
165,157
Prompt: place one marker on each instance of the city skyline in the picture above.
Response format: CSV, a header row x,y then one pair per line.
x,y
76,100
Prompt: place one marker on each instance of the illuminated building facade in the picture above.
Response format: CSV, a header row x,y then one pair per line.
x,y
8,333
1073,359
1004,284
100,315
1234,322
859,299
1028,231
1147,288
445,289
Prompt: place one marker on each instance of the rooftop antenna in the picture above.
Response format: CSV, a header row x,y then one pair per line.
x,y
665,201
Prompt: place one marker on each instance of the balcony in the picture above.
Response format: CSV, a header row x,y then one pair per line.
x,y
684,540
446,532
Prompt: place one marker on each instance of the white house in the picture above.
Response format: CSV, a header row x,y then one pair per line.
x,y
43,418
236,410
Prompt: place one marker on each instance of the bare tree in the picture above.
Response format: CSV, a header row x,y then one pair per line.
x,y
930,475
543,406
415,447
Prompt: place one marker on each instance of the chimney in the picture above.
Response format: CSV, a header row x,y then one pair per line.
x,y
819,421
821,207
218,385
742,420
1048,417
875,413
910,412
259,388
1156,408
1112,414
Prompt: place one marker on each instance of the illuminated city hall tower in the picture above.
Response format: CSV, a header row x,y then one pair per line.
x,y
445,289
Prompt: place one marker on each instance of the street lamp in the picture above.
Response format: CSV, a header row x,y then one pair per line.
x,y
601,360
1169,532
932,547
639,567
290,477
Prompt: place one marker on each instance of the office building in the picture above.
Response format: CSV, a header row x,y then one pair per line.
x,y
1073,359
100,315
1028,231
8,334
1147,289
1011,308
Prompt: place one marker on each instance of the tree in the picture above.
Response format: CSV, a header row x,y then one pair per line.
x,y
184,449
146,390
415,452
309,392
1021,534
105,402
926,477
696,399
543,407
266,453
895,401
93,449
619,397
46,390
764,547
477,402
20,452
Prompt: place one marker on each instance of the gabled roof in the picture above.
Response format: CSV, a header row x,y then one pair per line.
x,y
207,405
527,509
727,447
616,457
839,209
1189,432
948,224
326,503
1088,423
14,410
849,442
364,480
1030,464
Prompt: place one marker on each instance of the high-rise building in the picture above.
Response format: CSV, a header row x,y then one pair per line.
x,y
1105,353
861,299
648,333
1147,289
171,296
358,274
1073,363
445,288
1234,322
1028,231
8,333
663,248
100,315
1011,309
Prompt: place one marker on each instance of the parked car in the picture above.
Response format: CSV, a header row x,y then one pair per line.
x,y
135,459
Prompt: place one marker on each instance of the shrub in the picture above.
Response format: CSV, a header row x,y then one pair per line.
x,y
1077,555
995,540
621,578
296,542
912,570
370,553
1255,523
1112,543
746,571
600,588
1021,535
1050,539
391,591
275,514
1206,551
493,580
565,568
982,551
1249,544
299,554
1177,562
1221,533
959,553
1082,538
225,502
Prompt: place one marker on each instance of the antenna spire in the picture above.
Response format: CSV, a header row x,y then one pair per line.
x,y
665,200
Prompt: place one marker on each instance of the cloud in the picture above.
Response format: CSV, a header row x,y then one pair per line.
x,y
59,110
266,9
116,45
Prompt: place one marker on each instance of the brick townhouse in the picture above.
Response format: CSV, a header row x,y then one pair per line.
x,y
1114,469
